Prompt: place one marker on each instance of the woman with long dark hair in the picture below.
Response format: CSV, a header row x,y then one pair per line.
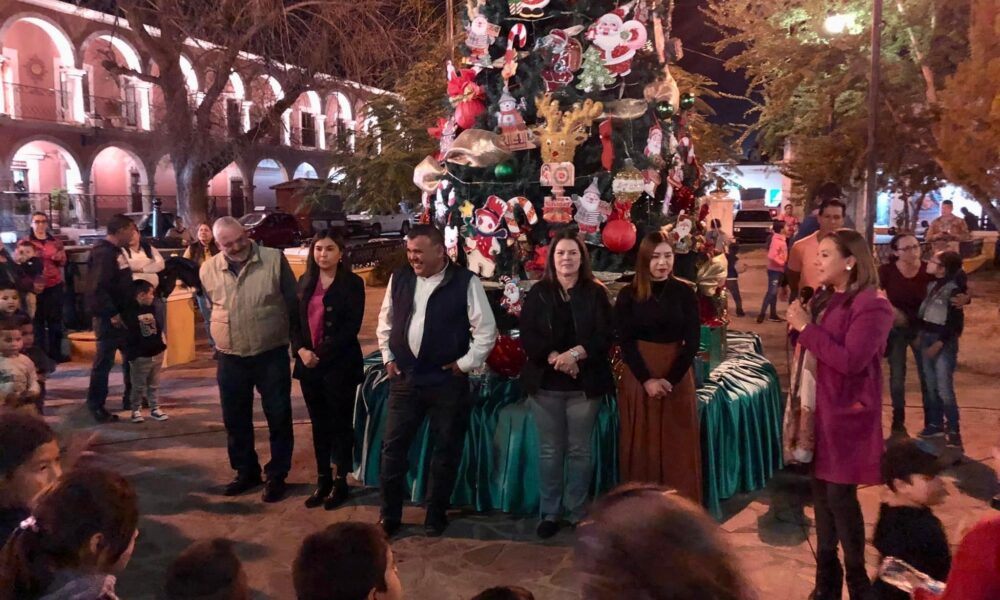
x,y
566,332
328,362
645,541
81,532
203,248
844,327
659,331
904,280
50,289
941,324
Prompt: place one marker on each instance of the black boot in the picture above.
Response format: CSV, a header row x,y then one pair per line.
x,y
341,491
323,487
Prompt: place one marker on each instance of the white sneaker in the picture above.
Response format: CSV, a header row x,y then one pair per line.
x,y
137,416
159,415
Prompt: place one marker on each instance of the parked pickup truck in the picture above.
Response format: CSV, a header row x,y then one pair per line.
x,y
375,225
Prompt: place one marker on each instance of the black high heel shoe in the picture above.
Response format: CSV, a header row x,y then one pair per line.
x,y
341,492
323,488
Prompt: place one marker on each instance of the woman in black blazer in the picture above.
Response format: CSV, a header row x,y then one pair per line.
x,y
328,362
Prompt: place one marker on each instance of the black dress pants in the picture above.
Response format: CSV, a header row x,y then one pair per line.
x,y
270,374
448,407
331,410
839,521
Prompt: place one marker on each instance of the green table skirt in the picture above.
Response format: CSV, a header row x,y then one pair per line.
x,y
739,406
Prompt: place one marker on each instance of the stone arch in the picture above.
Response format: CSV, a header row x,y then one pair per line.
x,y
80,173
305,170
122,45
61,40
113,185
267,171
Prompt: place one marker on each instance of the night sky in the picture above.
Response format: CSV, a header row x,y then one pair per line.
x,y
697,37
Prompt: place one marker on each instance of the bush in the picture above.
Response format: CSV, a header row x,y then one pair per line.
x,y
379,276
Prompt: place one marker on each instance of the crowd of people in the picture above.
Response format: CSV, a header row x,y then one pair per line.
x,y
70,529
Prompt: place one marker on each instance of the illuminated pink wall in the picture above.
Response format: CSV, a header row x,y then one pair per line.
x,y
34,49
110,172
219,186
46,166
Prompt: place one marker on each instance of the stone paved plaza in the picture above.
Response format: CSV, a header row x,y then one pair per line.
x,y
180,466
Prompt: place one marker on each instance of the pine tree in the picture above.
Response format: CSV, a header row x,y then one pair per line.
x,y
597,109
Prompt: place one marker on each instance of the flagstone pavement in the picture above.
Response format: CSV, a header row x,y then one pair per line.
x,y
179,467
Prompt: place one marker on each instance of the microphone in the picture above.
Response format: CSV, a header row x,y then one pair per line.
x,y
806,294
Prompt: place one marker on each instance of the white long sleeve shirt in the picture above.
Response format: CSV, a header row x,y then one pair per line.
x,y
481,320
145,267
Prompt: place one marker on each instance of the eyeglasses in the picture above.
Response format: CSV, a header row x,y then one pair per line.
x,y
40,222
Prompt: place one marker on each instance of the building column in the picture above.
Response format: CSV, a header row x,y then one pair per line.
x,y
6,106
74,87
245,114
148,192
143,96
86,210
248,200
320,131
286,128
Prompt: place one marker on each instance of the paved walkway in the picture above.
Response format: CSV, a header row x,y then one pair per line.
x,y
179,467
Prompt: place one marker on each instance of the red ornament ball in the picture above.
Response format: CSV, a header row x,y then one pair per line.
x,y
619,235
507,357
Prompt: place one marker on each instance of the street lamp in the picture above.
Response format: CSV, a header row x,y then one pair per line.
x,y
836,24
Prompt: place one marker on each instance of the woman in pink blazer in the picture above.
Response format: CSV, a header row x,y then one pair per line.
x,y
845,327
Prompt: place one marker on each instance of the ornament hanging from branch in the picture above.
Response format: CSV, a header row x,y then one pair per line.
x,y
517,37
480,34
510,217
483,245
565,54
444,132
627,187
465,95
513,298
451,242
591,211
595,76
527,9
563,132
617,40
513,131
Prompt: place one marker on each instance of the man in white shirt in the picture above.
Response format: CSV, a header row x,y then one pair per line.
x,y
434,327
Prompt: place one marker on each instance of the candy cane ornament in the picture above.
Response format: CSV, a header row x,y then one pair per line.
x,y
519,34
530,215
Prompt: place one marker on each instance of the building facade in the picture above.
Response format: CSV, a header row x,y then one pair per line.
x,y
70,129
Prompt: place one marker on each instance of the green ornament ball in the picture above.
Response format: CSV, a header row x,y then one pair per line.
x,y
664,110
687,101
503,171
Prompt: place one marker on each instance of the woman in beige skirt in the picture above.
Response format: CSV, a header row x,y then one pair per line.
x,y
659,331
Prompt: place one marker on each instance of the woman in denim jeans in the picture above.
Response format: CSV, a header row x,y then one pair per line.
x,y
904,280
566,332
777,258
941,324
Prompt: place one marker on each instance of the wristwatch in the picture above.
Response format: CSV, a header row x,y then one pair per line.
x,y
574,354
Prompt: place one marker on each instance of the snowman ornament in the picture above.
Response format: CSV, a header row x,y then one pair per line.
x,y
484,243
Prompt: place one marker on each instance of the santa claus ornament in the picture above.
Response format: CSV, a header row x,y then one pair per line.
x,y
565,55
527,9
480,35
617,40
483,245
513,131
445,133
513,299
591,211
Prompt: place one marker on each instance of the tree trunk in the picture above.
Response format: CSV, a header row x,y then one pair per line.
x,y
990,209
192,193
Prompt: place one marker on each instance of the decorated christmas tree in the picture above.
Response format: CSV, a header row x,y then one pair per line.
x,y
565,114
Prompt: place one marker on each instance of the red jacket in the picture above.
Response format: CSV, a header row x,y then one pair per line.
x,y
975,570
848,343
777,253
50,250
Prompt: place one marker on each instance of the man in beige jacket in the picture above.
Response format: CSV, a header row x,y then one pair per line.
x,y
252,292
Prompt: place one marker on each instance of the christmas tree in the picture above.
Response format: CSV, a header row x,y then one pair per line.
x,y
561,109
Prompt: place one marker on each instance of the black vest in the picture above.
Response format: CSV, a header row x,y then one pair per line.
x,y
447,333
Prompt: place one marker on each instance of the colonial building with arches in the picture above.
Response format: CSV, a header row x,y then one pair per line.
x,y
68,125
